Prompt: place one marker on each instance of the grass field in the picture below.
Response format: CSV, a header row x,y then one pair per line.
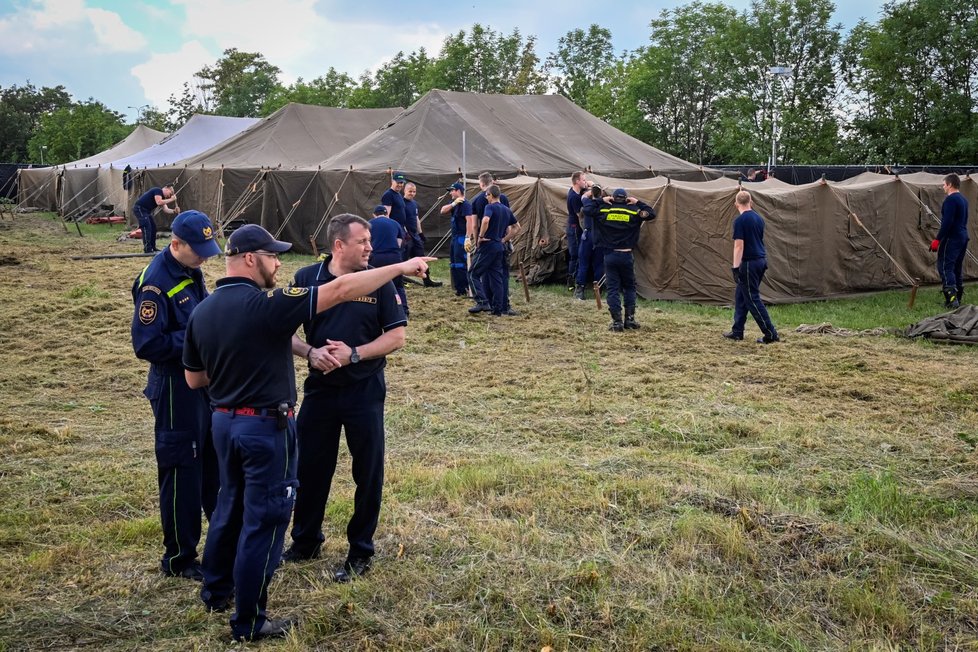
x,y
550,485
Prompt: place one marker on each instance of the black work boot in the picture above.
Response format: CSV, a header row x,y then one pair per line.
x,y
579,292
616,324
630,322
959,295
948,297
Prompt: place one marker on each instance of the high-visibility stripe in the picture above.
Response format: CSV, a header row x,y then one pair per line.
x,y
182,284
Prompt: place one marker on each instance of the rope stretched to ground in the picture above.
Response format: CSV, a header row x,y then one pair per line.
x,y
296,204
332,204
935,217
244,200
39,190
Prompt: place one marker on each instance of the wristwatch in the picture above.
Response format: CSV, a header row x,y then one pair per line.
x,y
354,356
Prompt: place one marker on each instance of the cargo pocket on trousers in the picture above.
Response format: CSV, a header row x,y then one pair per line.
x,y
176,448
279,503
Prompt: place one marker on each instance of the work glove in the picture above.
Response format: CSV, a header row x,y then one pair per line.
x,y
457,201
469,245
736,274
934,245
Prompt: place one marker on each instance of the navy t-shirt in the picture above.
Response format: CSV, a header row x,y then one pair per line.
x,y
241,335
411,216
749,227
355,323
574,206
384,233
459,214
500,217
480,201
954,217
395,200
147,200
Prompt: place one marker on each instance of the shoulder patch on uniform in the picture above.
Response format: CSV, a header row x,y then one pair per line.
x,y
270,294
397,298
152,288
147,312
295,292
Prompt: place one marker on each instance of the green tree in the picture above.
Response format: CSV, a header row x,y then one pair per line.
x,y
913,84
77,131
155,119
332,89
484,61
239,83
21,110
580,61
193,99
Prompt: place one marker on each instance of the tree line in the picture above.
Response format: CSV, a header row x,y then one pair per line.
x,y
902,89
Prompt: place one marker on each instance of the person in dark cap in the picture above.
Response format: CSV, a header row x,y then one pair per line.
x,y
239,345
146,205
393,199
165,294
385,247
617,221
463,236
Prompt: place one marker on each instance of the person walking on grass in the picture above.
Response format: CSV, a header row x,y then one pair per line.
x,y
749,266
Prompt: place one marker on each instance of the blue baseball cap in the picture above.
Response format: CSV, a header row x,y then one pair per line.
x,y
380,209
399,177
252,237
457,186
195,228
619,192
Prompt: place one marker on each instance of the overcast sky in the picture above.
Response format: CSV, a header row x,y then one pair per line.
x,y
128,53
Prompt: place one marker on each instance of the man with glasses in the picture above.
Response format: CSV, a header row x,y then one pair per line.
x,y
239,345
165,294
357,336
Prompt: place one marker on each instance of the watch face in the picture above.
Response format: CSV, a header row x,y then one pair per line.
x,y
354,357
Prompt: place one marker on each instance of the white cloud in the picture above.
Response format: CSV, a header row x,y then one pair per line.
x,y
112,33
164,74
46,25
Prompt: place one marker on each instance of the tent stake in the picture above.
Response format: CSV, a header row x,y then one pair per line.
x,y
597,294
315,249
526,286
913,295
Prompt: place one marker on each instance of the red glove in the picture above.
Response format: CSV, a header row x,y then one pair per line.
x,y
934,245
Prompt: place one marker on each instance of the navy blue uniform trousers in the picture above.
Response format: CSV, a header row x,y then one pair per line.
x,y
589,259
619,268
257,462
573,247
186,464
358,409
950,262
747,298
148,227
489,276
459,270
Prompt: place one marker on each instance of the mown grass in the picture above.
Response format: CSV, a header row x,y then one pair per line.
x,y
549,484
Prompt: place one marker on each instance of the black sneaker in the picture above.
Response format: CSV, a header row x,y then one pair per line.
x,y
271,629
509,312
479,307
191,572
295,554
768,340
734,336
353,568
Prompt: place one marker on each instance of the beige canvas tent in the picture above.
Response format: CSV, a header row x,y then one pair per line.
x,y
41,187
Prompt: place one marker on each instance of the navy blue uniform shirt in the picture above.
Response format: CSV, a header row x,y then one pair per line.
x,y
500,218
458,217
164,295
574,206
241,321
147,200
479,203
355,322
954,217
411,216
395,200
384,233
749,227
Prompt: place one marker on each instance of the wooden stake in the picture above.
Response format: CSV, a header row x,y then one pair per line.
x,y
597,294
913,296
526,286
315,249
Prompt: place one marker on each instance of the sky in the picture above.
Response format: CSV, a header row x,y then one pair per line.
x,y
128,54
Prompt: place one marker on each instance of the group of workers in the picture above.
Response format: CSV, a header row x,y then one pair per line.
x,y
221,376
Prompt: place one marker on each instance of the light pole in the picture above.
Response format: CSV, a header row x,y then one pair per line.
x,y
43,147
139,111
782,72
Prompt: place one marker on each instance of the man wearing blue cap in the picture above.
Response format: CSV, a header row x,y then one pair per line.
x,y
165,294
239,345
617,221
143,210
463,236
393,199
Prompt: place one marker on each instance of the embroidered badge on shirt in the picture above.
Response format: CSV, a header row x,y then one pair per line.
x,y
295,292
152,288
147,312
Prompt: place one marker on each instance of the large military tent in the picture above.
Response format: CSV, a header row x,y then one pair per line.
x,y
823,239
445,134
226,180
40,187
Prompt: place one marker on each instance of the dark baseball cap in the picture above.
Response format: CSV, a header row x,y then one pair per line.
x,y
380,209
457,186
195,228
252,237
399,177
619,193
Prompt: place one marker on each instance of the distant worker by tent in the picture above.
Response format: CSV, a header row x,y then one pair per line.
x,y
463,236
144,207
414,244
749,266
951,243
579,184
